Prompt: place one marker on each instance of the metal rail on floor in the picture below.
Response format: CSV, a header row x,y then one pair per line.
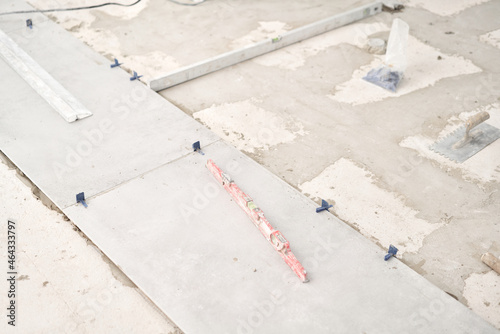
x,y
41,81
234,57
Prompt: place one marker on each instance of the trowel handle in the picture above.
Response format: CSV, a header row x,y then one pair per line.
x,y
475,121
492,261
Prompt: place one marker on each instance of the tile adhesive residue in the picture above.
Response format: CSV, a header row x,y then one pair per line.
x,y
482,292
492,38
443,7
379,215
105,41
248,126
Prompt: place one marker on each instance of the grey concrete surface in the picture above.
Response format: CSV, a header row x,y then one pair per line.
x,y
135,219
48,88
194,252
128,117
9,23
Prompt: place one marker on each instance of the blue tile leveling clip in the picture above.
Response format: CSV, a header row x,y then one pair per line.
x,y
116,64
197,148
80,198
135,77
324,206
392,252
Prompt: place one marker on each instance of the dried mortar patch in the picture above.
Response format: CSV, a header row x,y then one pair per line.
x,y
105,41
444,7
482,292
379,214
492,38
249,127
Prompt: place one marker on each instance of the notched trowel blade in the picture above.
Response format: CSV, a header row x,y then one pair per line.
x,y
482,135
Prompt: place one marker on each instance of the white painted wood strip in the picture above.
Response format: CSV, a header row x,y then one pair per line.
x,y
41,81
234,57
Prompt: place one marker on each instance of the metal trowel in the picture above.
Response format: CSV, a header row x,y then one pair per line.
x,y
468,139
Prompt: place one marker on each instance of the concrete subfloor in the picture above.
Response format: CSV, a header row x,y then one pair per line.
x,y
156,213
456,205
453,207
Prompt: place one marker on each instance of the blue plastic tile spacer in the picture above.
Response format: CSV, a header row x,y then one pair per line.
x,y
392,252
324,206
197,148
116,64
29,23
135,77
80,198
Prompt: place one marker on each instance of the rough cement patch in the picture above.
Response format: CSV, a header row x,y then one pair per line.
x,y
295,55
266,30
68,20
150,64
105,41
492,38
426,66
379,214
482,167
249,127
444,7
482,292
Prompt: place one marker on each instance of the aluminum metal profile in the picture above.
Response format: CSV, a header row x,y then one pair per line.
x,y
41,81
234,57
